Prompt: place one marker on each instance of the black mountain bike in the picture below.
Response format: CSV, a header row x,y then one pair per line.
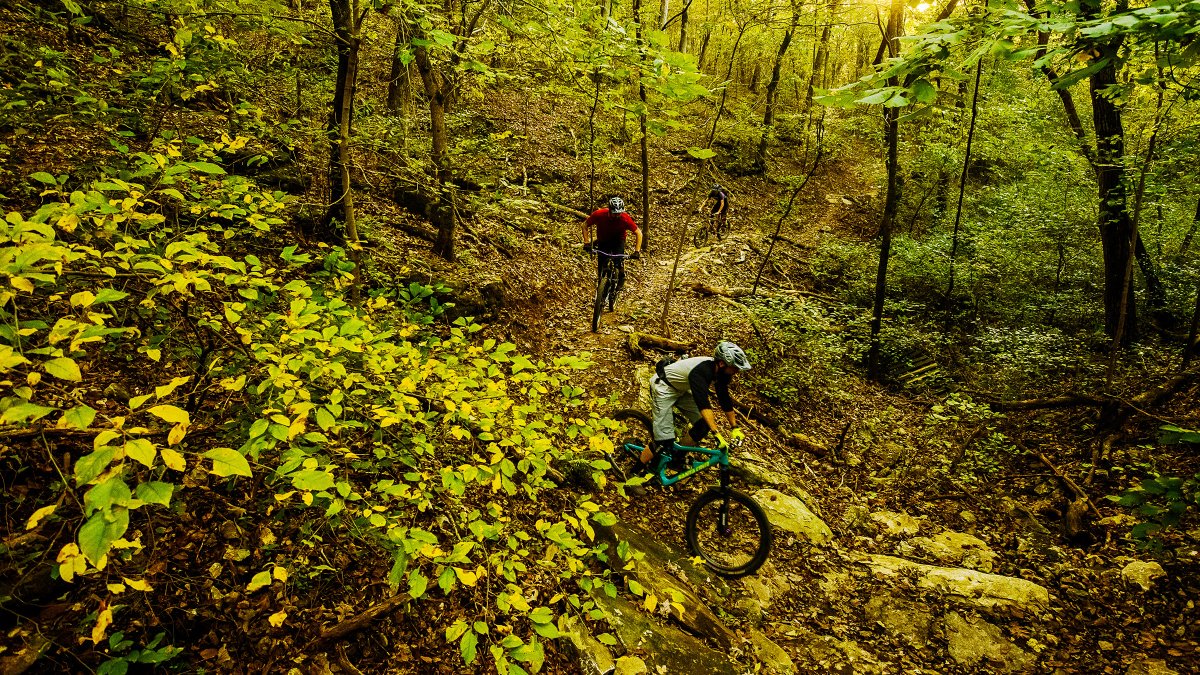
x,y
726,528
712,225
606,285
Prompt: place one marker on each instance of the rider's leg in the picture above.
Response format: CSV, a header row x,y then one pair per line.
x,y
662,397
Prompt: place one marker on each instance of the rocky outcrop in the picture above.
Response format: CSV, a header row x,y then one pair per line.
x,y
968,587
789,514
956,548
894,524
661,648
975,643
1142,573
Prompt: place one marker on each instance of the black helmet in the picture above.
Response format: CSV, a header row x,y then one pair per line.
x,y
616,205
717,186
727,352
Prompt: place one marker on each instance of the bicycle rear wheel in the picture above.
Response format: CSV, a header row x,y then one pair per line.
x,y
598,306
641,434
730,531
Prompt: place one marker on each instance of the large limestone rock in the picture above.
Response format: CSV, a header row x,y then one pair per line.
x,y
815,653
657,571
791,515
969,587
756,471
906,620
895,524
1142,573
957,548
662,648
772,656
973,642
593,657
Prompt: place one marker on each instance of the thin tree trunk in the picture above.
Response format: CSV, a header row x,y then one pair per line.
x,y
769,114
703,50
1187,238
1192,334
962,189
399,94
444,215
596,77
641,45
342,113
683,26
1116,229
712,134
891,134
822,53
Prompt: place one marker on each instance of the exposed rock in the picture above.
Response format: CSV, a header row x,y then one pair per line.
x,y
977,589
771,655
906,620
656,572
1146,666
593,657
631,665
790,514
974,642
755,471
1142,573
827,654
661,648
958,548
857,519
896,524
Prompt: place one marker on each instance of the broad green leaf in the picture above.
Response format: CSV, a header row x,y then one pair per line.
x,y
171,414
43,177
109,295
206,167
141,450
91,465
64,369
417,583
312,480
155,492
259,581
99,532
79,417
701,153
467,647
456,630
25,412
106,495
228,462
541,615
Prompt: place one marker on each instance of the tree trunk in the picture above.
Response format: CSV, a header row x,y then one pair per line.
x,y
712,134
821,55
341,114
891,134
444,215
1192,345
641,45
962,189
703,50
1187,238
1116,228
683,25
399,93
760,158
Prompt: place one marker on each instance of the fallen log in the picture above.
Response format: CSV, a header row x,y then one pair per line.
x,y
641,341
1064,401
414,230
755,414
564,209
709,291
361,620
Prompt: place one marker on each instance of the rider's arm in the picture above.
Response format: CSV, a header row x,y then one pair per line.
x,y
726,401
587,237
638,231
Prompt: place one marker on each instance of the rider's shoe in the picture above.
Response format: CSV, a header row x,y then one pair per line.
x,y
678,463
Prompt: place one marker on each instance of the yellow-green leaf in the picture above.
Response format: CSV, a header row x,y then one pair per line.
x,y
169,387
64,369
260,580
228,462
169,413
141,450
173,459
38,515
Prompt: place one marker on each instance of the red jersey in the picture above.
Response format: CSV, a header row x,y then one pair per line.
x,y
611,229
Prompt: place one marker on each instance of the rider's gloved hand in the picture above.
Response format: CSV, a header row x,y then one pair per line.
x,y
635,255
737,436
589,247
721,442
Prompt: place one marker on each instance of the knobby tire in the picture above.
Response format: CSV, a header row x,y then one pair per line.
x,y
641,432
598,306
743,547
700,238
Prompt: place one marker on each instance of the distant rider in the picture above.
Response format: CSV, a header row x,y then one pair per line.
x,y
684,385
718,204
611,225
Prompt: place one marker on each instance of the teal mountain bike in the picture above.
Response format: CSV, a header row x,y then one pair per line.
x,y
725,528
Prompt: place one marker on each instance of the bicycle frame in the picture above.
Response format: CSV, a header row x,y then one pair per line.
x,y
716,457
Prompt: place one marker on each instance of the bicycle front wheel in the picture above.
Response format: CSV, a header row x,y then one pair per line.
x,y
729,531
598,306
700,238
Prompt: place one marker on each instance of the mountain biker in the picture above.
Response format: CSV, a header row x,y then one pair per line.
x,y
684,384
611,224
720,204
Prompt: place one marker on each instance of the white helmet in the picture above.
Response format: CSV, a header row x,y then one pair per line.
x,y
727,352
